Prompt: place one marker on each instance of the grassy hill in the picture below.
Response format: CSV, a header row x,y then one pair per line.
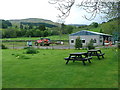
x,y
110,27
17,22
106,27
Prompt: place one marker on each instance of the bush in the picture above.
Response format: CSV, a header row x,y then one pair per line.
x,y
78,43
90,45
27,47
20,56
3,46
31,50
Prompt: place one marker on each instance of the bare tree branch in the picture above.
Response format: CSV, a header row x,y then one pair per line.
x,y
64,6
93,7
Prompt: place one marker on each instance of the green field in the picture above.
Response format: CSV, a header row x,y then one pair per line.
x,y
56,37
47,69
0,68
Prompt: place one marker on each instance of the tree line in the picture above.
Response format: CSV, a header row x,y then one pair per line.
x,y
31,30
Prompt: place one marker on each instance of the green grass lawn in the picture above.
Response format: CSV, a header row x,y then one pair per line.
x,y
55,37
47,69
0,68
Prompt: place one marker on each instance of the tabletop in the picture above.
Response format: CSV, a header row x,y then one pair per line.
x,y
93,50
79,53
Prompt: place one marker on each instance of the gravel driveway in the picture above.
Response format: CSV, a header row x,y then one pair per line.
x,y
58,47
47,47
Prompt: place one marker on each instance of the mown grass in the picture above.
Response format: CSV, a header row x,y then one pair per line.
x,y
47,69
0,68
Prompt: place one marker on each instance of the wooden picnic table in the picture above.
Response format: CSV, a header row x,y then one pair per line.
x,y
80,56
95,52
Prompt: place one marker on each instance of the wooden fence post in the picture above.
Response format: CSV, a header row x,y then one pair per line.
x,y
13,45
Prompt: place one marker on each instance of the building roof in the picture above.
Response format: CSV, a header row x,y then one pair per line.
x,y
85,32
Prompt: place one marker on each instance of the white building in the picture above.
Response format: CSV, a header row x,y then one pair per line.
x,y
86,36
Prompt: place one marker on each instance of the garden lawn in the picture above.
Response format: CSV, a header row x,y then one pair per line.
x,y
47,69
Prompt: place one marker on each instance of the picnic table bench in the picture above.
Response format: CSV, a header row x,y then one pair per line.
x,y
82,56
97,53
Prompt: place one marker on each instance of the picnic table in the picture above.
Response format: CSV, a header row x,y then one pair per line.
x,y
81,56
95,52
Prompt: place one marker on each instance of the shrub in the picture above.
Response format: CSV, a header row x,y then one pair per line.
x,y
31,50
78,43
3,46
27,47
20,56
90,45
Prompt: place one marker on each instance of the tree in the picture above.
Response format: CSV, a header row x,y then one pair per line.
x,y
78,43
6,24
110,27
23,32
54,32
90,44
101,31
29,33
42,27
69,29
46,33
64,6
9,33
16,26
18,32
30,26
95,24
37,33
94,7
21,26
62,29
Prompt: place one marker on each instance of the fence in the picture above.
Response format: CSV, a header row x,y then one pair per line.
x,y
20,44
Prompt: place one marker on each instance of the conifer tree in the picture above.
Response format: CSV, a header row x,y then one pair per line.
x,y
78,43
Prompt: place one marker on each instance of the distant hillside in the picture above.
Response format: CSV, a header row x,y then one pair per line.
x,y
77,25
17,22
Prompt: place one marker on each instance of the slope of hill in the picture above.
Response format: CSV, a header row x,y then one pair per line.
x,y
110,27
77,25
17,22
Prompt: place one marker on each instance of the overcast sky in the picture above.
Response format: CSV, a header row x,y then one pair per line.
x,y
21,9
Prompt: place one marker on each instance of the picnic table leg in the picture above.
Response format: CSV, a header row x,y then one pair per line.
x,y
73,60
102,56
67,61
89,61
83,62
98,57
